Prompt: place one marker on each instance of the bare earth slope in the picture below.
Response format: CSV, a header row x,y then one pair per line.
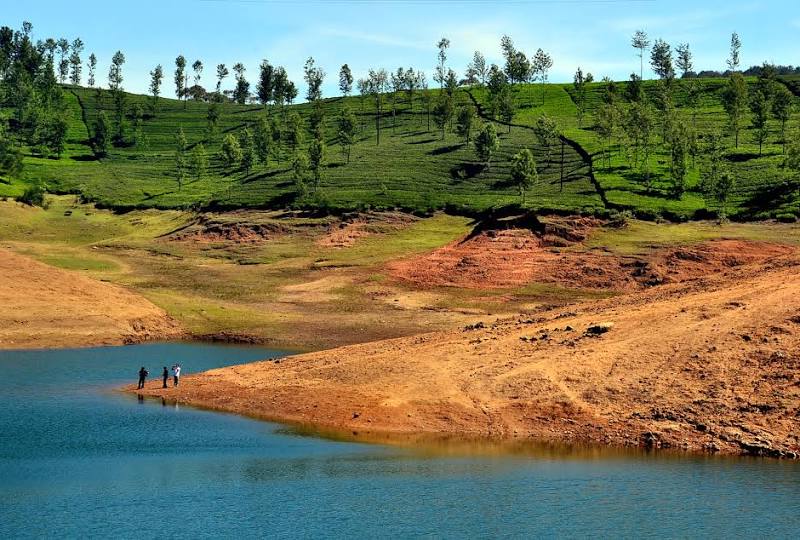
x,y
707,365
42,306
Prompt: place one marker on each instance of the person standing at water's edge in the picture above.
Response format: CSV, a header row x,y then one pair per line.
x,y
176,373
143,373
165,376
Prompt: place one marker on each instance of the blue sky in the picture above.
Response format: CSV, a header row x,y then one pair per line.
x,y
594,34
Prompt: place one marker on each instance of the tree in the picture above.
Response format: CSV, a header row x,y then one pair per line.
x,y
639,125
266,82
10,156
345,80
486,144
181,166
427,99
443,111
294,131
115,85
679,149
197,67
684,59
607,120
721,191
248,152
313,76
222,72
100,138
464,121
137,117
75,61
792,161
523,171
378,82
517,67
542,63
242,90
398,80
63,62
262,140
714,152
477,71
734,100
231,152
441,70
299,172
92,70
579,82
347,130
316,157
782,109
199,163
212,118
507,107
661,61
156,76
413,81
180,77
760,106
115,72
733,59
640,42
546,130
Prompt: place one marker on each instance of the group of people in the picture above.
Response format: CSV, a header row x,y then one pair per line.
x,y
176,374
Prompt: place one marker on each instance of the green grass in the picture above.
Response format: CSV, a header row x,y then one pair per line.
x,y
413,169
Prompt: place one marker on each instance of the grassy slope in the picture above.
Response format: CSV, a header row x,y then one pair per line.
x,y
413,169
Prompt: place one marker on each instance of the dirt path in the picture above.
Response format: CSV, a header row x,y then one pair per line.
x,y
707,365
44,306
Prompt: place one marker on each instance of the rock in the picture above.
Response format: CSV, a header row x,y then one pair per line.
x,y
599,328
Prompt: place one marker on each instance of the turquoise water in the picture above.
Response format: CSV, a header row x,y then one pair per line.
x,y
79,460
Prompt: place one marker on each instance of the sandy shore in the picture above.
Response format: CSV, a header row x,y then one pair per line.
x,y
45,307
708,365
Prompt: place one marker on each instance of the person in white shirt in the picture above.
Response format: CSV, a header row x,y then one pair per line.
x,y
176,373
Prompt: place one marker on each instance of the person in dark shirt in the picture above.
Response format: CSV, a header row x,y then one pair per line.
x,y
143,373
165,376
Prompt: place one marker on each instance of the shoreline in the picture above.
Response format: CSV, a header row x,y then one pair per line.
x,y
555,378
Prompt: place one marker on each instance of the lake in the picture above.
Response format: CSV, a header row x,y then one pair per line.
x,y
78,459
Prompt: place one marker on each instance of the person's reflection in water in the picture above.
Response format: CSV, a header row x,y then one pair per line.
x,y
164,401
140,398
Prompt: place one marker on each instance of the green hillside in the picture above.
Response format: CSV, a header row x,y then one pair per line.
x,y
413,168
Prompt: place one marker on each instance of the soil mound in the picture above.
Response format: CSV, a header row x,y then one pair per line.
x,y
551,252
352,227
43,307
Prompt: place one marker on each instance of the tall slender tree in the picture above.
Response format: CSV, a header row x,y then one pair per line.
x,y
441,67
63,62
156,76
733,58
542,64
242,91
75,61
640,41
222,72
684,59
92,65
734,100
313,76
523,171
345,80
266,83
197,67
180,77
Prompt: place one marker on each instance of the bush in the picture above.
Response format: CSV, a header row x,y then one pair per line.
x,y
34,196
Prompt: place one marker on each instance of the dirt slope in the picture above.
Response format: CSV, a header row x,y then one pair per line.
x,y
44,306
708,365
